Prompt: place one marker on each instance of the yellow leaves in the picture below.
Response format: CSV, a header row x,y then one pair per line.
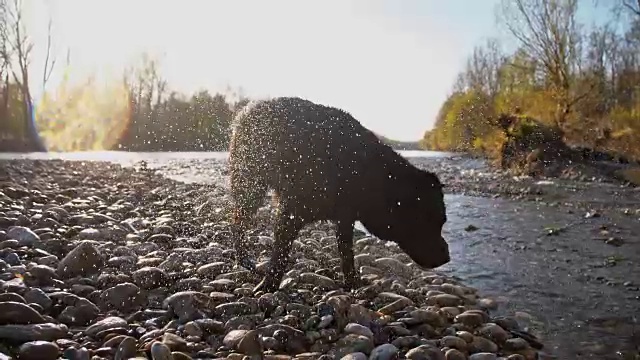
x,y
539,104
83,116
469,119
463,118
490,144
627,131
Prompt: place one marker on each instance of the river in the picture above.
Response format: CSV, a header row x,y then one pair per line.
x,y
575,290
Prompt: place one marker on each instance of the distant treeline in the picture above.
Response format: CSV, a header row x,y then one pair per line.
x,y
401,145
136,113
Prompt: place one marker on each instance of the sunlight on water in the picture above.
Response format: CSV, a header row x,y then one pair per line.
x,y
84,116
131,157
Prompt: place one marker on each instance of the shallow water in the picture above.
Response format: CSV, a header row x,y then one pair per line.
x,y
125,157
571,291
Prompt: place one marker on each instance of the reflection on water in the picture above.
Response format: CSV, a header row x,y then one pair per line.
x,y
125,157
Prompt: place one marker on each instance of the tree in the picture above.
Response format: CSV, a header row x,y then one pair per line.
x,y
549,35
147,90
563,75
16,50
482,72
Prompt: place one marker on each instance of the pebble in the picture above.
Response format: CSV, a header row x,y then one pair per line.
x,y
83,260
122,259
384,352
160,351
24,235
12,312
357,329
355,356
39,350
483,356
111,322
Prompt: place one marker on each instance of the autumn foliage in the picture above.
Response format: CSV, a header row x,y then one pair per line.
x,y
581,82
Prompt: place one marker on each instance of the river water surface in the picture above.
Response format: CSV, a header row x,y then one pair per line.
x,y
575,290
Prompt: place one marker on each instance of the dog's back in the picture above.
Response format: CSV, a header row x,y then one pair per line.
x,y
306,152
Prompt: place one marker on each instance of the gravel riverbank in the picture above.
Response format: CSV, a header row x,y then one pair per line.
x,y
99,261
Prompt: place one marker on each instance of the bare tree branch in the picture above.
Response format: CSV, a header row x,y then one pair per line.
x,y
548,33
49,62
634,7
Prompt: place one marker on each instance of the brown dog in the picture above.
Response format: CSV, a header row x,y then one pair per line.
x,y
324,165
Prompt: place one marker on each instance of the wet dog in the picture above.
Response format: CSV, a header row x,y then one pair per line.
x,y
324,165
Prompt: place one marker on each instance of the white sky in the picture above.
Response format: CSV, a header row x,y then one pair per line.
x,y
390,63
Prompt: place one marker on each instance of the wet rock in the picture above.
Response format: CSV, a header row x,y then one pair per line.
x,y
355,356
149,277
488,304
483,356
425,352
80,314
453,354
384,352
250,343
33,332
111,322
186,304
391,265
19,313
122,297
177,355
454,342
83,260
12,297
443,300
430,317
212,270
174,342
480,344
76,354
494,333
126,349
357,329
352,343
516,344
395,306
39,350
317,280
232,338
471,318
160,351
521,357
24,235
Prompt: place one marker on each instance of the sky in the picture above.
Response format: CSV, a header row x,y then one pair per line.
x,y
390,63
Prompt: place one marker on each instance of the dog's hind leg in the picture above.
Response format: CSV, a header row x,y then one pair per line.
x,y
248,193
288,225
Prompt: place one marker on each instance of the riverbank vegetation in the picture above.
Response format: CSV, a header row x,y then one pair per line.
x,y
136,110
580,82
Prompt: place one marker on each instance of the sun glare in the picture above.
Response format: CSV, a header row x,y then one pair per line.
x,y
89,115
